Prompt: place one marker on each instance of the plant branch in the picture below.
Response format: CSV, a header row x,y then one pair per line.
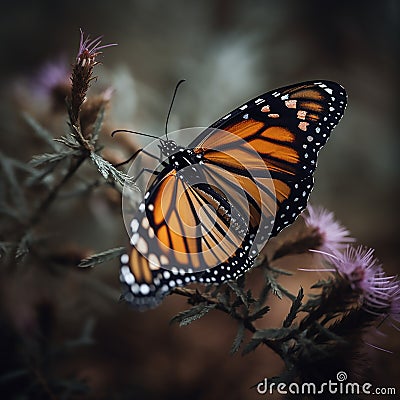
x,y
195,297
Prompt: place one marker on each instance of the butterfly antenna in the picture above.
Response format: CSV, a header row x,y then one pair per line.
x,y
137,133
133,156
172,103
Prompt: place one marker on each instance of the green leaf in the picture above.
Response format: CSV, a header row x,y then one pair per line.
x,y
109,171
286,292
272,334
239,292
280,271
322,283
294,309
238,339
188,316
273,283
263,296
69,140
102,257
50,158
251,346
259,313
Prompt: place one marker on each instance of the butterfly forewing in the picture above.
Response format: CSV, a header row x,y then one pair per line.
x,y
286,126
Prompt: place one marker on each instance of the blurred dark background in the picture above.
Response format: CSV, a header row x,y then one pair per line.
x,y
229,51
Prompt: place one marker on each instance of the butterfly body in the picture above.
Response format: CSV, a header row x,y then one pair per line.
x,y
214,204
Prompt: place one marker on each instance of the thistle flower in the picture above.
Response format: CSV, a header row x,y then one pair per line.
x,y
82,72
380,294
394,302
359,266
333,236
385,299
52,83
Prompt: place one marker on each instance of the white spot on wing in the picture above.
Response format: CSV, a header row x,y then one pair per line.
x,y
145,223
144,289
134,239
134,225
142,246
154,262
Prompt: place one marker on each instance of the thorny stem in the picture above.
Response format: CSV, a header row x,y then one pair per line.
x,y
200,297
75,127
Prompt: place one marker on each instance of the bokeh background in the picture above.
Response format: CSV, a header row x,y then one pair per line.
x,y
229,51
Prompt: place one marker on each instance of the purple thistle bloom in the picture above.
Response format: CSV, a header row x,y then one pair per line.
x,y
394,302
82,72
89,49
389,298
359,266
333,235
50,76
380,294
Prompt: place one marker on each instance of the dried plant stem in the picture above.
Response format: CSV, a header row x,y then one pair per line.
x,y
198,297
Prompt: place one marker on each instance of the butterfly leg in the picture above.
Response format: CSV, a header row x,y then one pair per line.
x,y
136,153
149,170
131,158
143,170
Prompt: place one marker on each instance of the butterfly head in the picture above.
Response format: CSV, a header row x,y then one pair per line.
x,y
168,147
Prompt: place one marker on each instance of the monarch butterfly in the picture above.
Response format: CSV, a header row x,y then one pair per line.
x,y
284,129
